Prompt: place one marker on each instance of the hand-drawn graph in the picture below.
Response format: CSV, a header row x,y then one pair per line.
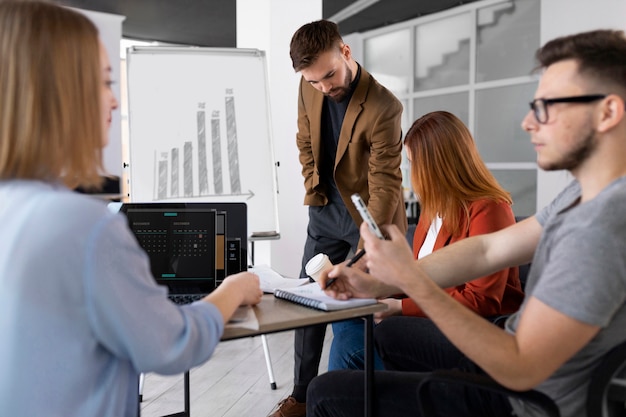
x,y
200,129
212,170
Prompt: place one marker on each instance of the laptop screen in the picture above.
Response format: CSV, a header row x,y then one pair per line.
x,y
233,217
180,240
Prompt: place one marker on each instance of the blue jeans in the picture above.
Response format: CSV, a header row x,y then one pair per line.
x,y
347,350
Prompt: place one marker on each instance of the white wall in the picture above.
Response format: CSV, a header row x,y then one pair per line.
x,y
563,17
110,28
269,25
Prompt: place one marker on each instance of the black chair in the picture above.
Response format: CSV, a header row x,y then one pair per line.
x,y
409,234
606,395
523,276
524,270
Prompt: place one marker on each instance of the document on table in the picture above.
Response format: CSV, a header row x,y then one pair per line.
x,y
243,317
272,280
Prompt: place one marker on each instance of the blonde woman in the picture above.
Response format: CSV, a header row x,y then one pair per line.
x,y
80,314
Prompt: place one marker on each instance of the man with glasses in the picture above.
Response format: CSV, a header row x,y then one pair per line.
x,y
575,306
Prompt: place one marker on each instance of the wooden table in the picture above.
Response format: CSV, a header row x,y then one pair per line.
x,y
276,315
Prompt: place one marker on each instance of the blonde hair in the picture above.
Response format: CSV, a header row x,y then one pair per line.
x,y
50,89
447,172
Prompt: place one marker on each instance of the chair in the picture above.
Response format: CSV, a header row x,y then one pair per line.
x,y
524,270
606,395
409,234
523,276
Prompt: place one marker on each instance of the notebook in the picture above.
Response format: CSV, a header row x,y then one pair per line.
x,y
311,295
184,241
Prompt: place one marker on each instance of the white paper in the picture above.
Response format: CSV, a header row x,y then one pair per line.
x,y
271,280
243,317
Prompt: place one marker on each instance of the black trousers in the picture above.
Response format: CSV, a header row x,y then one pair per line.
x,y
332,231
405,344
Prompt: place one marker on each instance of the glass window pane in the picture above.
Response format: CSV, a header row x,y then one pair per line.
x,y
507,38
405,165
456,104
522,184
406,120
498,131
388,58
442,53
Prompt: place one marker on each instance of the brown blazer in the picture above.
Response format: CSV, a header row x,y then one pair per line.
x,y
368,151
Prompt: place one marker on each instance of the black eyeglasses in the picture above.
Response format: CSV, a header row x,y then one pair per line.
x,y
539,106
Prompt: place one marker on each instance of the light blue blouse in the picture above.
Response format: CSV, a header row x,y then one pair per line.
x,y
80,313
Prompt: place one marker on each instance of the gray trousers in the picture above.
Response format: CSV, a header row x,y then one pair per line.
x,y
332,231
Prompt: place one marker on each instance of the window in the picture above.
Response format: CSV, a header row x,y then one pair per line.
x,y
475,61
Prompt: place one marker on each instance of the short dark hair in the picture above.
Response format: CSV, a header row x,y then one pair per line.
x,y
600,54
311,40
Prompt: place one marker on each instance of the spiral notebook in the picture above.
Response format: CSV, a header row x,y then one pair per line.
x,y
311,295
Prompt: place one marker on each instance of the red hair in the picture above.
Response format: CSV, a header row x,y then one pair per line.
x,y
447,172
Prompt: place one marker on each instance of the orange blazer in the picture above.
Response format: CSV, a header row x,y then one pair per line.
x,y
492,295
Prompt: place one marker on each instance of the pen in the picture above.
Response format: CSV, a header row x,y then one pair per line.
x,y
356,257
351,262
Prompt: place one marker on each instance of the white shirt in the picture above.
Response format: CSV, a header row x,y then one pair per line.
x,y
431,237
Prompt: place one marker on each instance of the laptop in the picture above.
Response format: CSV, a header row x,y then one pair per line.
x,y
235,230
184,241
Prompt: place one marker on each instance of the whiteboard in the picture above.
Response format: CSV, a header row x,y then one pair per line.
x,y
199,129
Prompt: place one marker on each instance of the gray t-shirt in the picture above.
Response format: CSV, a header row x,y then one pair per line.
x,y
579,269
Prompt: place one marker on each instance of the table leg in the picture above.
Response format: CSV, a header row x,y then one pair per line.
x,y
187,401
268,361
187,412
368,322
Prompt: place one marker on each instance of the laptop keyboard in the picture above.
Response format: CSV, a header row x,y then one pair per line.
x,y
185,298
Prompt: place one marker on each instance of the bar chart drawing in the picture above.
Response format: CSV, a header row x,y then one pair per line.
x,y
202,164
169,162
231,135
199,129
217,154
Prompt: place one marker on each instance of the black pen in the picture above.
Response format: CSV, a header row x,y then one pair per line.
x,y
351,262
356,257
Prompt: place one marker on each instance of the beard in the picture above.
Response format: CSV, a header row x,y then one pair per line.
x,y
576,155
339,93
